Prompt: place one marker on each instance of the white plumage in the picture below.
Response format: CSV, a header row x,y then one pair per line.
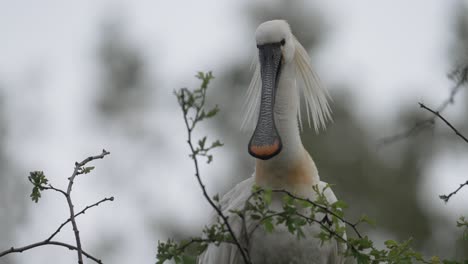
x,y
279,247
282,161
314,94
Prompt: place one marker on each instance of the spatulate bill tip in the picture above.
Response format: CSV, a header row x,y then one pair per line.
x,y
265,151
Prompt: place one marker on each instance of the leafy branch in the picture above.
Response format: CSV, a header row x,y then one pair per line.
x,y
40,183
296,212
192,104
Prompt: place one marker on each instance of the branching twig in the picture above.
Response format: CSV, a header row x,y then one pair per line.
x,y
324,226
49,240
324,208
447,197
79,170
437,114
81,212
45,243
40,183
461,77
211,202
195,101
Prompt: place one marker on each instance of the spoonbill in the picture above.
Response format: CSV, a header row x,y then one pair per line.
x,y
273,105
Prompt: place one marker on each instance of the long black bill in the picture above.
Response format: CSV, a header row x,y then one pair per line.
x,y
266,142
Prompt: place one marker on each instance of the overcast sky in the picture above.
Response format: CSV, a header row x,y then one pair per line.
x,y
394,53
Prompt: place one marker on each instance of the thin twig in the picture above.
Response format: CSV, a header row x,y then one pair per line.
x,y
49,240
45,243
205,194
447,197
196,101
326,209
81,212
76,172
50,187
309,219
437,114
462,77
330,231
323,225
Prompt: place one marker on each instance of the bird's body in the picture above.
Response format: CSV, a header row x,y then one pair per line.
x,y
282,163
277,247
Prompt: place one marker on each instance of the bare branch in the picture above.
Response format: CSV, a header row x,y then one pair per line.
x,y
461,78
49,240
50,187
437,114
79,170
45,243
447,197
81,212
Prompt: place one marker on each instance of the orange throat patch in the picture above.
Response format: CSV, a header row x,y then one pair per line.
x,y
265,151
274,174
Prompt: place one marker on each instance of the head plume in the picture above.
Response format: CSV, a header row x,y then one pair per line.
x,y
315,95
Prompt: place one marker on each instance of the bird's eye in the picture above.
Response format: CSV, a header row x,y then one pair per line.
x,y
283,42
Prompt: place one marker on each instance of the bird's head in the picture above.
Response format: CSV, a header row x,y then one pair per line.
x,y
276,33
277,47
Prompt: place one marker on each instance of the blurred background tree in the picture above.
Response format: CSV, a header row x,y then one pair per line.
x,y
12,192
124,89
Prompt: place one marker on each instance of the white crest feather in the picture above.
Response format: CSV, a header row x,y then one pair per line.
x,y
315,96
252,101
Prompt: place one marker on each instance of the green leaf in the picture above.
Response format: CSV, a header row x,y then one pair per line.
x,y
366,219
39,180
390,243
209,159
362,258
256,188
364,243
200,75
35,194
435,259
212,112
201,143
256,216
340,204
186,259
269,227
87,170
216,144
267,196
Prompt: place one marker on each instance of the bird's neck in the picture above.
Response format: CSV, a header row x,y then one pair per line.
x,y
292,169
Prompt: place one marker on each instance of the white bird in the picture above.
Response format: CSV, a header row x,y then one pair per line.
x,y
273,101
